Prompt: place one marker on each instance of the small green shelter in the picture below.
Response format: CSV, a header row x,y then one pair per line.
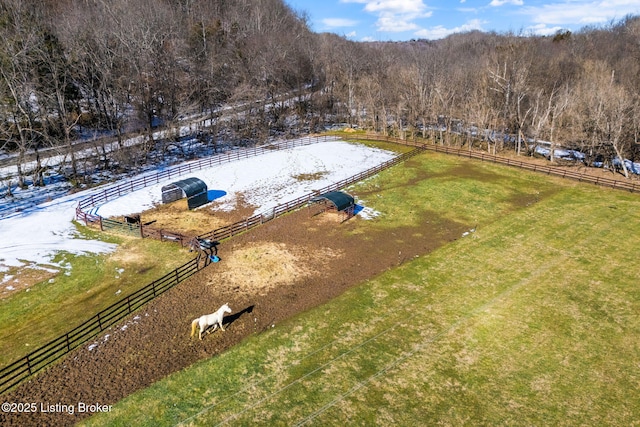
x,y
337,201
194,189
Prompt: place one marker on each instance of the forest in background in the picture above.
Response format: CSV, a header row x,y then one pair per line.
x,y
248,70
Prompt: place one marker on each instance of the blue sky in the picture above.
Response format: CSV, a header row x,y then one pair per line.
x,y
366,20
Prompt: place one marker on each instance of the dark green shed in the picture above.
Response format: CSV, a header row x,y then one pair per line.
x,y
194,189
338,201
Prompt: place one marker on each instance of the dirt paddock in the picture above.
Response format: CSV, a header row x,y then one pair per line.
x,y
268,274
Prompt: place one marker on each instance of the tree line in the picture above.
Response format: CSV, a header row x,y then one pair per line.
x,y
250,69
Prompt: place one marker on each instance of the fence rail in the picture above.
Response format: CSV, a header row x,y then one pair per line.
x,y
549,170
21,369
230,156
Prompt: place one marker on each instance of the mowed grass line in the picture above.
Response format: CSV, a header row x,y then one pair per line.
x,y
532,320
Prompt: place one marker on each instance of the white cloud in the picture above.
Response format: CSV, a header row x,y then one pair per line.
x,y
339,22
395,15
581,12
543,30
395,23
496,3
395,6
440,32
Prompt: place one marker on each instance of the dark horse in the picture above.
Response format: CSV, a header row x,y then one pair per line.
x,y
206,246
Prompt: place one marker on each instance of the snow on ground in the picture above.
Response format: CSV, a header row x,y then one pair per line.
x,y
35,235
266,180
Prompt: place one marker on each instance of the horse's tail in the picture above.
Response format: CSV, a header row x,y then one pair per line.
x,y
194,325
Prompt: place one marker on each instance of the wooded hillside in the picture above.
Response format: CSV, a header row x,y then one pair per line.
x,y
74,68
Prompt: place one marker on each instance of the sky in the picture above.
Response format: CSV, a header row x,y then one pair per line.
x,y
399,20
33,237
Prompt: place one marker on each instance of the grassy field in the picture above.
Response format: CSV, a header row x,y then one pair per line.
x,y
31,318
531,320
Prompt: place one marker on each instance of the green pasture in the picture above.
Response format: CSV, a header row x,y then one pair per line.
x,y
531,320
90,283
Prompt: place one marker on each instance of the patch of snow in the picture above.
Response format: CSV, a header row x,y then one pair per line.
x,y
368,213
265,181
35,235
631,166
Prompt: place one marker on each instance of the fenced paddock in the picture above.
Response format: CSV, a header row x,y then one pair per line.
x,y
21,369
85,205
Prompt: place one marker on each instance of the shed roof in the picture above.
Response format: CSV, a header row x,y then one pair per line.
x,y
194,189
340,199
190,186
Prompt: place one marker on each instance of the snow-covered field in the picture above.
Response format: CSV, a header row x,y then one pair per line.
x,y
266,180
34,236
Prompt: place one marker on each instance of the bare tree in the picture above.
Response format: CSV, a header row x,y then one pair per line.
x,y
560,102
21,125
606,112
510,73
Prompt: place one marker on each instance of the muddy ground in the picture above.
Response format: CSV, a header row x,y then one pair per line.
x,y
269,274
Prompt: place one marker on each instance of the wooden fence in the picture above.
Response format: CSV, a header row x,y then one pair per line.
x,y
83,210
122,227
549,170
21,369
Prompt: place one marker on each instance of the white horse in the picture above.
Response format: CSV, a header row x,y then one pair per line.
x,y
215,319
